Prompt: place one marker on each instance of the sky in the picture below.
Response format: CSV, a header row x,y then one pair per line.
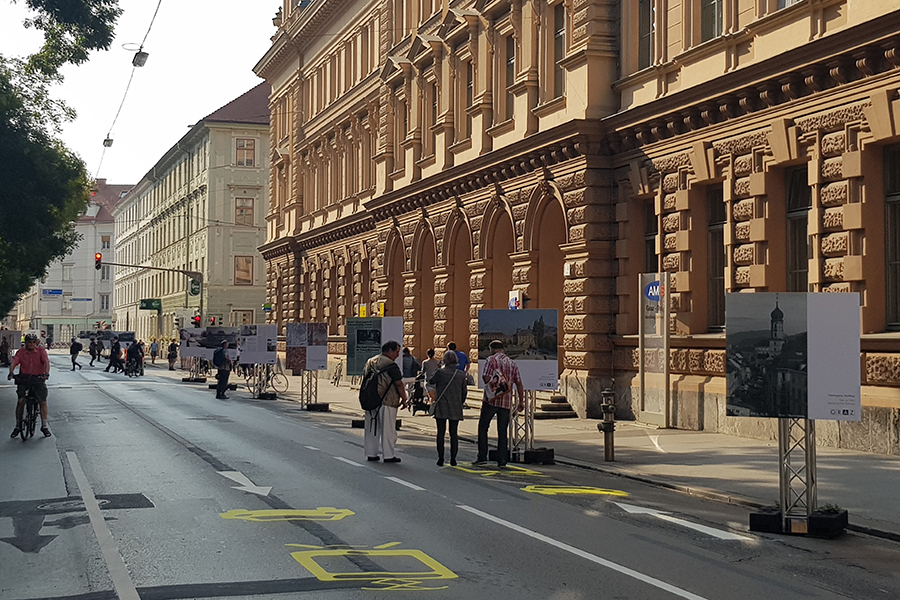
x,y
202,53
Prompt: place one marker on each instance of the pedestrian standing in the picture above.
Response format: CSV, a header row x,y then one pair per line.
x,y
154,350
74,348
172,354
381,430
463,361
500,376
430,366
451,388
223,366
92,348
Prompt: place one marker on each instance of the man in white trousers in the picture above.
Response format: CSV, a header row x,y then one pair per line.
x,y
380,424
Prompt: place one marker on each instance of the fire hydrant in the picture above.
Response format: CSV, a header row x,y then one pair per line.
x,y
608,426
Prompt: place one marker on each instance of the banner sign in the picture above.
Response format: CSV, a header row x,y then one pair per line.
x,y
306,347
530,337
365,337
793,355
258,344
199,342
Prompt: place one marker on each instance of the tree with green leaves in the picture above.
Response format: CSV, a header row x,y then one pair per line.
x,y
46,186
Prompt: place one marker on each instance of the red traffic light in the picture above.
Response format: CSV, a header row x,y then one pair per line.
x,y
196,320
98,261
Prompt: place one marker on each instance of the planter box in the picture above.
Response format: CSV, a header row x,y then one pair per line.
x,y
317,407
827,525
767,521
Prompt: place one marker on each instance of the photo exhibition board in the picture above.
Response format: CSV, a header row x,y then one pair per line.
x,y
530,337
365,337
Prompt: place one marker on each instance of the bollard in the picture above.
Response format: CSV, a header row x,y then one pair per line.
x,y
608,426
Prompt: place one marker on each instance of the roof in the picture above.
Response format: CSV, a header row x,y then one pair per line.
x,y
109,195
252,107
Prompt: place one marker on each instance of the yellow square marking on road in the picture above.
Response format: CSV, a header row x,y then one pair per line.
x,y
509,470
323,513
388,580
566,490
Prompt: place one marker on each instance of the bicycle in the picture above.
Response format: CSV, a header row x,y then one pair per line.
x,y
338,373
32,405
260,378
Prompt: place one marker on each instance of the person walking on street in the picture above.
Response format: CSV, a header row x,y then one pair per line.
x,y
451,389
115,358
4,352
223,366
172,355
462,359
381,430
500,376
154,350
430,366
74,349
92,348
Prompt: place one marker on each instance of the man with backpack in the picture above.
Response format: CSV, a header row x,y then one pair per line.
x,y
381,393
74,349
223,364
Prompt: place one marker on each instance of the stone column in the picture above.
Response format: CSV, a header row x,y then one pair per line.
x,y
481,285
443,310
411,308
525,274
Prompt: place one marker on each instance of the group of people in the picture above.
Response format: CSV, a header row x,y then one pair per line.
x,y
447,388
136,353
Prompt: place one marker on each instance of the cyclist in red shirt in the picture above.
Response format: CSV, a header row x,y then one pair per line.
x,y
31,360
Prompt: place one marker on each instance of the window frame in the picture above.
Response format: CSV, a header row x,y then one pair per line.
x,y
558,89
240,212
651,233
710,30
892,237
241,151
249,280
716,256
798,247
646,32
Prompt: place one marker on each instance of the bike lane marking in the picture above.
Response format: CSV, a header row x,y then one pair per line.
x,y
658,583
115,564
411,486
347,460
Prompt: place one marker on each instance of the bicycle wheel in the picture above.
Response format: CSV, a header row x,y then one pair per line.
x,y
31,419
279,383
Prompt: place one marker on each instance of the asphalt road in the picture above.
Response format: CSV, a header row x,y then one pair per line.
x,y
151,488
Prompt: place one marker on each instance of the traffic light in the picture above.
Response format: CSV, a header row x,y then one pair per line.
x,y
98,261
196,320
212,320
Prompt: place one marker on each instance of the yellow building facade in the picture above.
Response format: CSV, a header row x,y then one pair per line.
x,y
436,155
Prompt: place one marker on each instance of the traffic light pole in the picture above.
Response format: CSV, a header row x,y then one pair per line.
x,y
192,274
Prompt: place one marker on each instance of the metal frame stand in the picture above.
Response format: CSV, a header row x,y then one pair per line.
x,y
521,426
797,472
309,388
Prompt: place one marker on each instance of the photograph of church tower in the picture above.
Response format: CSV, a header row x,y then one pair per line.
x,y
767,355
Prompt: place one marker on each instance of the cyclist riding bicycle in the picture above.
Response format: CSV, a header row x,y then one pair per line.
x,y
31,360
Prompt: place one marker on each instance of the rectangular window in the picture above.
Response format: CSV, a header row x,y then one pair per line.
x,y
104,301
243,270
559,49
710,19
243,211
892,238
651,228
470,96
645,33
717,217
799,201
245,153
104,273
433,90
510,76
67,272
104,242
786,3
242,317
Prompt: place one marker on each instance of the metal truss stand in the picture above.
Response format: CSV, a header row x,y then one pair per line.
x,y
797,472
521,429
309,388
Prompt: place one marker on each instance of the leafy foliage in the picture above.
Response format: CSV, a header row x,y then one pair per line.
x,y
46,187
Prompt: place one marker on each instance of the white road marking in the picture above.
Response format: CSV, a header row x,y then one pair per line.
x,y
348,461
312,447
245,484
411,486
118,572
586,555
716,533
655,440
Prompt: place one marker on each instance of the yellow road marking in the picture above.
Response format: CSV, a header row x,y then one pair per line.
x,y
567,490
509,470
388,580
316,514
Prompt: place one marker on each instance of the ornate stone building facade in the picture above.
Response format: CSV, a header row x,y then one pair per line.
x,y
435,155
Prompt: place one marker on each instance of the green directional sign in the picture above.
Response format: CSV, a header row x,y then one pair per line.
x,y
151,304
194,288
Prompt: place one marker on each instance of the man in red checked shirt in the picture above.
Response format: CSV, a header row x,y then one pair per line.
x,y
32,360
500,376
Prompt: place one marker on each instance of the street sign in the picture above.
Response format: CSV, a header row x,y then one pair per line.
x,y
151,304
194,288
49,292
267,307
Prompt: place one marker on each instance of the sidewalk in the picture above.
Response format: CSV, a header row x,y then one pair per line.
x,y
718,466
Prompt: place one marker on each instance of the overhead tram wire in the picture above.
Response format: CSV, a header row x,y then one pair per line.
x,y
125,95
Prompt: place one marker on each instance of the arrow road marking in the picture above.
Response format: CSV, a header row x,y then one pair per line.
x,y
722,535
245,484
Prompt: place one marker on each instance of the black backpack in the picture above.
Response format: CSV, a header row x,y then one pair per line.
x,y
219,359
369,398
